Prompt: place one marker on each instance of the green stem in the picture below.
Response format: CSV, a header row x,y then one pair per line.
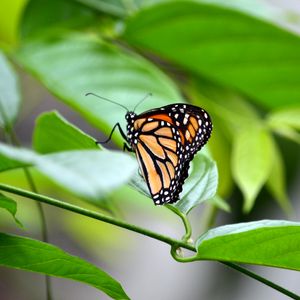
x,y
92,214
173,242
13,139
261,279
177,254
40,208
43,226
186,222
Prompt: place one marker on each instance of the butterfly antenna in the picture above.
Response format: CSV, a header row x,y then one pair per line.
x,y
103,98
148,95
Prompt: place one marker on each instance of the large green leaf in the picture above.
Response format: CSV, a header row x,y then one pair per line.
x,y
9,205
122,8
31,255
9,93
251,161
90,174
53,133
72,65
113,7
224,45
269,243
50,15
233,110
252,7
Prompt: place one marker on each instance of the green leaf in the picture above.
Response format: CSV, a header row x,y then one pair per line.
x,y
7,163
257,8
11,206
53,15
285,117
251,161
286,122
235,50
276,181
53,133
201,185
287,132
220,150
72,65
230,108
229,113
267,242
90,174
113,7
9,93
31,255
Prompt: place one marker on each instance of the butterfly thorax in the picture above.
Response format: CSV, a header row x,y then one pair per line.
x,y
131,133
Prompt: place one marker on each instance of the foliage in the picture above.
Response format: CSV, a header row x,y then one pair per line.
x,y
243,69
44,258
247,243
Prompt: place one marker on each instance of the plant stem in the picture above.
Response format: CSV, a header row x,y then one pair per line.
x,y
186,223
92,214
33,188
12,138
41,211
170,241
43,226
261,279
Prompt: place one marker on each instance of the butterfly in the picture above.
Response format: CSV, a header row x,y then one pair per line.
x,y
165,140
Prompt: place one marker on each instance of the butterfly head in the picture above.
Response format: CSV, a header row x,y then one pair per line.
x,y
130,117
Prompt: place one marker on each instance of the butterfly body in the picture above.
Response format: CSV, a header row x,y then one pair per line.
x,y
165,140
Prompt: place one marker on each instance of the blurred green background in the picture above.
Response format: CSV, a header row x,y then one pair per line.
x,y
228,59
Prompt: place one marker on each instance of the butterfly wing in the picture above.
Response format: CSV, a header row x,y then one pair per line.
x,y
158,153
166,140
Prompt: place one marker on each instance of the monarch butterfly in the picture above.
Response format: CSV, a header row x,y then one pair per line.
x,y
165,141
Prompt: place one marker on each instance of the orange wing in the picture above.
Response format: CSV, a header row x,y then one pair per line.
x,y
158,153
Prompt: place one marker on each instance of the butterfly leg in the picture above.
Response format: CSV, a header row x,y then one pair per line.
x,y
126,147
111,133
